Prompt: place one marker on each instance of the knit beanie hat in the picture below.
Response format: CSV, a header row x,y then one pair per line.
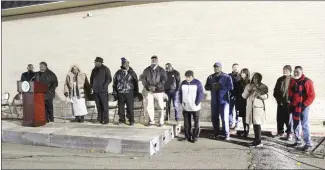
x,y
123,60
288,67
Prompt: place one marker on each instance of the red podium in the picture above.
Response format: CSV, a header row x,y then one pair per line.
x,y
33,102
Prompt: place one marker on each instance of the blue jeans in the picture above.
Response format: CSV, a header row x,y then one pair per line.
x,y
233,105
221,110
304,123
173,97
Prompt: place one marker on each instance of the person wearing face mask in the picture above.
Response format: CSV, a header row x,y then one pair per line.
x,y
301,96
235,76
29,75
77,88
154,79
46,76
99,80
191,95
255,93
171,89
241,84
125,87
219,84
281,96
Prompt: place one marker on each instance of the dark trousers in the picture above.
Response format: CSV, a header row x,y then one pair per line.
x,y
283,118
101,100
246,126
173,98
128,99
80,118
49,110
258,133
188,124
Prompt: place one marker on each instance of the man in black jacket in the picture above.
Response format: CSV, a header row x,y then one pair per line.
x,y
235,76
99,80
125,87
281,96
171,89
29,75
47,77
154,79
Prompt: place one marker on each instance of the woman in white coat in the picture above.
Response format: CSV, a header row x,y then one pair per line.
x,y
77,88
256,93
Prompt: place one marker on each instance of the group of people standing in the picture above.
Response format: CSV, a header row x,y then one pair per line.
x,y
237,91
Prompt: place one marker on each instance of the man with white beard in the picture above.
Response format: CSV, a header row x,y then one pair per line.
x,y
301,96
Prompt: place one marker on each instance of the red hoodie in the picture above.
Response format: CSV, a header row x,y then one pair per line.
x,y
301,92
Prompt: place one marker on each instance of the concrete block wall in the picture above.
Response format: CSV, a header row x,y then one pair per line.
x,y
262,36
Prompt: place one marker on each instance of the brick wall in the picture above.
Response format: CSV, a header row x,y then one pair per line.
x,y
263,36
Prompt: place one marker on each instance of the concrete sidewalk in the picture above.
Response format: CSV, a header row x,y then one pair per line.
x,y
108,138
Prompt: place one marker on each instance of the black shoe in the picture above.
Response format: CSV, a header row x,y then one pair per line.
x,y
51,120
160,125
47,120
166,119
131,124
195,140
104,122
295,145
82,119
252,144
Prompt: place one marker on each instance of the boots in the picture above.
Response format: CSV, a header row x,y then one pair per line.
x,y
82,119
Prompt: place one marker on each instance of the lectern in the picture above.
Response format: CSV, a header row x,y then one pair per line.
x,y
33,102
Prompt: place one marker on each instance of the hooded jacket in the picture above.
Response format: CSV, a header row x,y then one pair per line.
x,y
83,89
154,76
125,81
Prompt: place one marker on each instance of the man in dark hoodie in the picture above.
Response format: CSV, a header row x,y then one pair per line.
x,y
235,76
29,75
47,77
171,89
154,79
125,87
99,80
281,96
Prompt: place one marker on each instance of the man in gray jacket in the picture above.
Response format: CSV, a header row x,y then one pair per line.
x,y
154,79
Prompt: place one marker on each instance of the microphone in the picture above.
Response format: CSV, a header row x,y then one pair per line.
x,y
34,77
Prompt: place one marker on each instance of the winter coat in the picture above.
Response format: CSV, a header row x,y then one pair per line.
x,y
83,87
156,77
27,76
173,81
125,81
280,89
301,95
255,109
241,84
50,79
100,79
191,94
222,95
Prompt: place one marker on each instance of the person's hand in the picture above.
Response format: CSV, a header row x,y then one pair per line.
x,y
152,88
66,94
